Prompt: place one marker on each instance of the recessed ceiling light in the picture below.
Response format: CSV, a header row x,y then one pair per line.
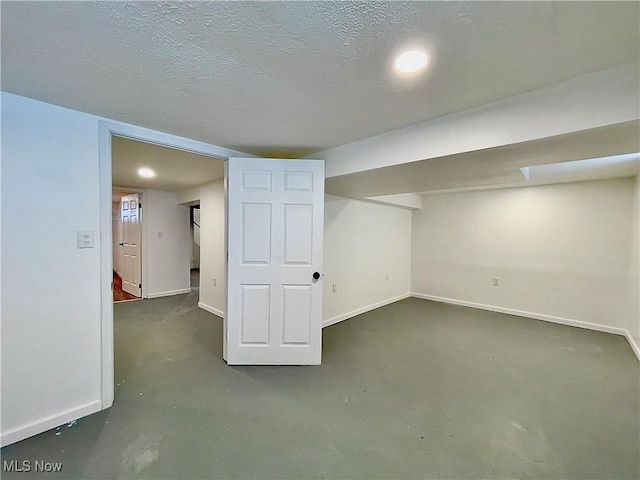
x,y
146,172
411,61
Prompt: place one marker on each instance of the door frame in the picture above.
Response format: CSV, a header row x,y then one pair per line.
x,y
143,234
107,129
192,231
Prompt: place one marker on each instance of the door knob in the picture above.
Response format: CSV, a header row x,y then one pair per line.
x,y
316,275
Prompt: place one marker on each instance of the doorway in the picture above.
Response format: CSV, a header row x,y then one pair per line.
x,y
109,130
292,208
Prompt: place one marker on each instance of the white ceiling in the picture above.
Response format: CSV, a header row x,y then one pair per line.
x,y
290,78
175,169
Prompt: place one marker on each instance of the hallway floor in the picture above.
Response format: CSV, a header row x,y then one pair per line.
x,y
412,390
120,295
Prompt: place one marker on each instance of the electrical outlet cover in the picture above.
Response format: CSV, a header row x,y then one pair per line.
x,y
85,239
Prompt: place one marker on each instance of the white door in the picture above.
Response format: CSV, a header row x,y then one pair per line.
x,y
131,236
275,215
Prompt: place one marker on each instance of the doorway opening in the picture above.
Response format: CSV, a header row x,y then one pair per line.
x,y
165,229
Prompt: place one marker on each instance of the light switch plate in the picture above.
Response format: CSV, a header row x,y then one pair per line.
x,y
85,238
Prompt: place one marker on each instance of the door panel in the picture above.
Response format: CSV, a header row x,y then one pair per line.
x,y
275,227
297,303
255,314
298,234
256,233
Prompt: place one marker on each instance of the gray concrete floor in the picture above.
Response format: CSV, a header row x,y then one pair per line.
x,y
412,390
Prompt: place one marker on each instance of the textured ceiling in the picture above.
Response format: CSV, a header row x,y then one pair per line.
x,y
290,78
175,169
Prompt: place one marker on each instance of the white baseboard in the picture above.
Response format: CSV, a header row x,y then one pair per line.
x,y
169,293
210,309
538,316
330,321
339,318
31,429
634,346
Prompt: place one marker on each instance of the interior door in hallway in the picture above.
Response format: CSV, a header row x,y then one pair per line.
x,y
275,216
131,239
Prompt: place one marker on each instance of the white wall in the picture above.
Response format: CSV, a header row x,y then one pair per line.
x,y
634,273
558,250
51,330
362,243
212,249
166,244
